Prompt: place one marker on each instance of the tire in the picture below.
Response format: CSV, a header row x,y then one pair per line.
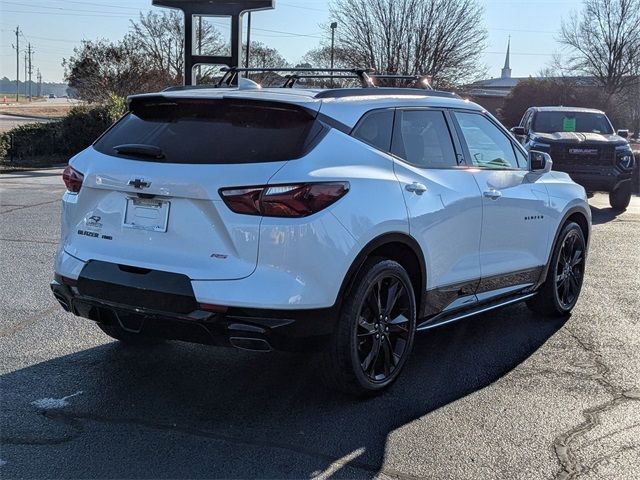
x,y
620,197
559,293
127,338
371,344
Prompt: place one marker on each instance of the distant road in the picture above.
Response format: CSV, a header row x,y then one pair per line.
x,y
49,107
7,122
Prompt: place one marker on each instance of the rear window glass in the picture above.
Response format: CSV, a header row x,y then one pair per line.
x,y
211,132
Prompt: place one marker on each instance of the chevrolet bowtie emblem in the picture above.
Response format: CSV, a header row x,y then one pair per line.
x,y
139,183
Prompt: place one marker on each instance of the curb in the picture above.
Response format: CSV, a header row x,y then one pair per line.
x,y
5,170
34,117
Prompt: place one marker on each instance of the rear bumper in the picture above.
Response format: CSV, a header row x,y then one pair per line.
x,y
249,329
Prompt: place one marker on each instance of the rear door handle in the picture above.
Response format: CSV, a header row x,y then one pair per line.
x,y
415,187
493,194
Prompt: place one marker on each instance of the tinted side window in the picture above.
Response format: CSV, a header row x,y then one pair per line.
x,y
375,129
488,146
422,138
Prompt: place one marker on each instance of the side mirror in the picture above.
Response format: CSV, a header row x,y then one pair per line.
x,y
623,133
539,162
518,131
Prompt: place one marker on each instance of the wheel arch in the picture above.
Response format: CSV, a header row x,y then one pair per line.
x,y
581,219
574,214
401,248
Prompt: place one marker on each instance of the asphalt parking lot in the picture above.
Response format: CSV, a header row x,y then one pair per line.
x,y
504,395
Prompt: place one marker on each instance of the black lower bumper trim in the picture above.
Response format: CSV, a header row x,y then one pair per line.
x,y
249,329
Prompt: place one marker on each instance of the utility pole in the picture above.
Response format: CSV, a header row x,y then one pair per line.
x,y
26,56
30,50
246,57
334,25
39,83
17,47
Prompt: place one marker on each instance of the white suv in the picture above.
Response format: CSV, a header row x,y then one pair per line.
x,y
336,221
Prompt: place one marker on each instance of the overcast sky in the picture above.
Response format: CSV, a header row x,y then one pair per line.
x,y
54,26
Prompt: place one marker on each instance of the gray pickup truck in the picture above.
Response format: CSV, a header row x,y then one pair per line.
x,y
582,143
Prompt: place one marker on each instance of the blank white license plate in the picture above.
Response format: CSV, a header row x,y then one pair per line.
x,y
146,214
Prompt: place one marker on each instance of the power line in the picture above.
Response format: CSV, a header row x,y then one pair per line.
x,y
94,4
55,39
68,14
64,9
521,53
518,30
304,8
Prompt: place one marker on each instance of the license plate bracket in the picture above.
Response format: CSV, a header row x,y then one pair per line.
x,y
146,214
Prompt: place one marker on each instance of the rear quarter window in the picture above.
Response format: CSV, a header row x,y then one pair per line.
x,y
214,131
375,128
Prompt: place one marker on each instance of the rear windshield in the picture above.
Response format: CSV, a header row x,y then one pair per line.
x,y
211,132
585,122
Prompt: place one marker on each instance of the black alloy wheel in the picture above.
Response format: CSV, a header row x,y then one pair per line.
x,y
383,328
569,270
374,334
559,293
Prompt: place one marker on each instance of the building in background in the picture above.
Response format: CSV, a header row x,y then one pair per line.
x,y
492,92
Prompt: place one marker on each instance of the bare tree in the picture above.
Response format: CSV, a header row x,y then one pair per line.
x,y
321,57
150,57
605,42
263,56
161,36
99,69
440,38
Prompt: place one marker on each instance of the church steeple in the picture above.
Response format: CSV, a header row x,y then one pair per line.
x,y
506,70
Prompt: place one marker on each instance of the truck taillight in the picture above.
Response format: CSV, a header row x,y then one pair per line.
x,y
293,201
72,179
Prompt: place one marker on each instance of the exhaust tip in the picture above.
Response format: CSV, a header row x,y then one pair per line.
x,y
250,344
62,300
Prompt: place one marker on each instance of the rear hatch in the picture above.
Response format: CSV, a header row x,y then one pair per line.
x,y
150,197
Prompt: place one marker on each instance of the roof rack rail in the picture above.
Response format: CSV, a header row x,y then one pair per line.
x,y
391,91
367,77
231,74
413,81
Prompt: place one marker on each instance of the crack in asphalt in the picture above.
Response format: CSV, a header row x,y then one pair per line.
x,y
16,327
604,458
563,443
22,240
29,206
75,421
612,434
75,424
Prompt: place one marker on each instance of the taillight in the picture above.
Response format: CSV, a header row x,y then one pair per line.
x,y
296,200
72,179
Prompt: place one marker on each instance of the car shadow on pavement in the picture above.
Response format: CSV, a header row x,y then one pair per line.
x,y
603,215
179,410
